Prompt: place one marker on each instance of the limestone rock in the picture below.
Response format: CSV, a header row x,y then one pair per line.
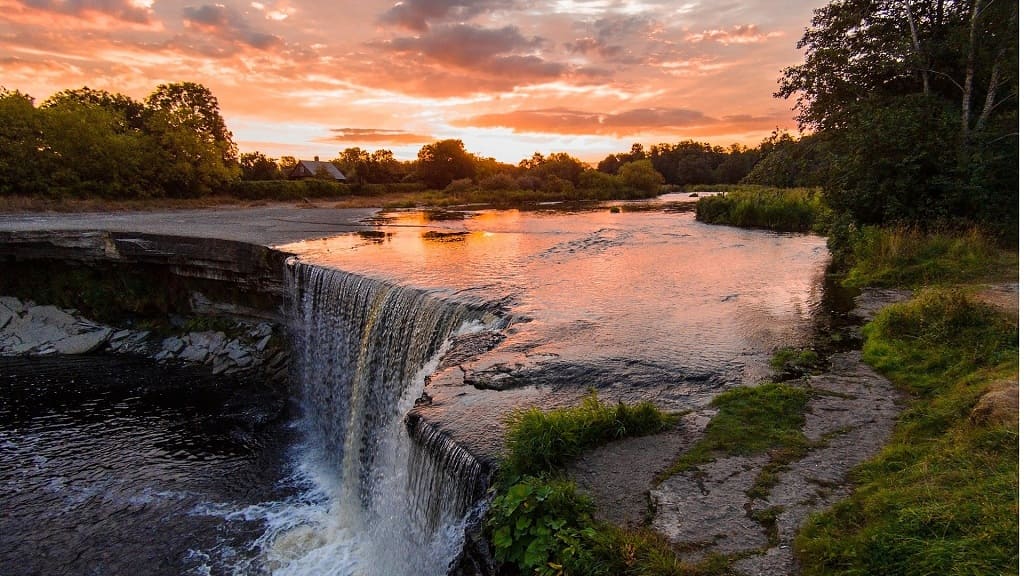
x,y
82,343
173,344
53,316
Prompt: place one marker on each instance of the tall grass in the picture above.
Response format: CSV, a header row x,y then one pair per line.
x,y
908,257
541,442
778,209
941,498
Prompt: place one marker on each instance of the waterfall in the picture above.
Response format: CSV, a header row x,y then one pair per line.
x,y
363,348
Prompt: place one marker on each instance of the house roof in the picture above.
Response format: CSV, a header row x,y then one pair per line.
x,y
314,167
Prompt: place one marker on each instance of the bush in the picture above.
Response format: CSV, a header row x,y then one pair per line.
x,y
498,182
460,185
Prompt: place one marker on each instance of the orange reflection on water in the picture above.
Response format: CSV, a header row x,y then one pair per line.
x,y
650,286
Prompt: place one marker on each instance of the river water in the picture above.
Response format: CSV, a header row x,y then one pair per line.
x,y
114,466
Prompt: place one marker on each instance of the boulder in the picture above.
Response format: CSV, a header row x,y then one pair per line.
x,y
53,316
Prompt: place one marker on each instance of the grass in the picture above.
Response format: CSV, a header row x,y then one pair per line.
x,y
778,209
539,523
541,442
902,257
755,420
941,498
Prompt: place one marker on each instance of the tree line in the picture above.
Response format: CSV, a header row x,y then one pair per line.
x,y
175,143
86,142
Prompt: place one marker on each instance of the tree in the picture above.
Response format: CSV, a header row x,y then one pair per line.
x,y
876,66
558,164
132,111
641,175
443,161
258,166
23,165
193,107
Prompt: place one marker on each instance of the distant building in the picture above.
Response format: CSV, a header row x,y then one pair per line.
x,y
313,168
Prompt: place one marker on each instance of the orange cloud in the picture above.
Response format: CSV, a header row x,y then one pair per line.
x,y
746,34
566,121
378,136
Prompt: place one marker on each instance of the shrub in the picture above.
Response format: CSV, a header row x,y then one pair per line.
x,y
498,182
460,185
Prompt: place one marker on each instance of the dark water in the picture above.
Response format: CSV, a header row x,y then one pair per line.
x,y
121,466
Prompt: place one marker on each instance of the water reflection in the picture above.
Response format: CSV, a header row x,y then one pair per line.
x,y
646,283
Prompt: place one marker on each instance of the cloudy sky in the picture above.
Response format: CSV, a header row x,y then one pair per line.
x,y
508,77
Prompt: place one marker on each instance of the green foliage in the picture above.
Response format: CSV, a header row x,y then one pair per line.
x,y
918,103
540,525
539,442
907,257
782,210
641,175
258,166
443,161
786,162
750,420
941,498
90,143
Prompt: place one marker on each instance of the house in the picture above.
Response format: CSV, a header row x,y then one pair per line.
x,y
315,168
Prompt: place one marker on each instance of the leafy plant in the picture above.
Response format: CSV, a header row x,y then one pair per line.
x,y
540,525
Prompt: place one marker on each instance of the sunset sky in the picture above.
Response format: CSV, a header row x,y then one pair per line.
x,y
508,77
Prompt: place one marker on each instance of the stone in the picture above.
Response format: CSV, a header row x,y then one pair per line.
x,y
235,350
37,334
173,344
53,316
262,344
12,304
1000,405
221,365
704,510
6,314
83,343
212,342
243,362
194,353
163,355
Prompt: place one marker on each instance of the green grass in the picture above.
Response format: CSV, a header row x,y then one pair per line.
x,y
539,523
900,257
541,442
941,498
755,420
778,209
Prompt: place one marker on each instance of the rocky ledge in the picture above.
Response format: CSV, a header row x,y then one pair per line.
x,y
27,329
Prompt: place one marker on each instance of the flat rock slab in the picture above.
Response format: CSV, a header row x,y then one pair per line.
x,y
707,509
850,417
619,474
